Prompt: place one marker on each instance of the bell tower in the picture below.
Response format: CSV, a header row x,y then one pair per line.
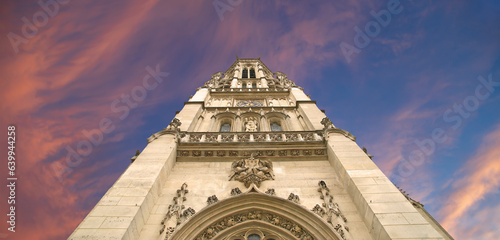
x,y
251,157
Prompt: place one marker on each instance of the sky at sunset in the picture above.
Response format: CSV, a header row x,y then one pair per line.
x,y
417,82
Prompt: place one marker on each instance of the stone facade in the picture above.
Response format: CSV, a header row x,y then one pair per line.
x,y
250,156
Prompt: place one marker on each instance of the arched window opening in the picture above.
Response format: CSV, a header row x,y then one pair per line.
x,y
252,73
244,85
254,85
276,127
225,127
245,73
254,237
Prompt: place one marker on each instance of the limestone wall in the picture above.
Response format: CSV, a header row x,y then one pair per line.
x,y
205,179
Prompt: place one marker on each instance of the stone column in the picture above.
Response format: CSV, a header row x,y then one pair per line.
x,y
198,123
308,108
386,212
211,127
237,124
289,124
262,76
263,124
124,209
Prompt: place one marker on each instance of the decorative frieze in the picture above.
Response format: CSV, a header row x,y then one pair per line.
x,y
196,153
277,220
233,153
184,153
319,151
256,153
221,153
270,152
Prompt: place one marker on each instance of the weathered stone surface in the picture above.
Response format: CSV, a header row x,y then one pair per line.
x,y
281,152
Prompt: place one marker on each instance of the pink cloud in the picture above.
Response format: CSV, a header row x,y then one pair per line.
x,y
477,180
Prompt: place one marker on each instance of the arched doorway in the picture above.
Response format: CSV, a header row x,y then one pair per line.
x,y
255,216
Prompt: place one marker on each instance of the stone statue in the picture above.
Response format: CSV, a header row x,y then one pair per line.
x,y
283,81
214,81
251,125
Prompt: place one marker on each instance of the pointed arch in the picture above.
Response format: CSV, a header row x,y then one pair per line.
x,y
258,211
245,73
252,73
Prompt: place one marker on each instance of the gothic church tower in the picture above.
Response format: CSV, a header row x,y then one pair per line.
x,y
251,157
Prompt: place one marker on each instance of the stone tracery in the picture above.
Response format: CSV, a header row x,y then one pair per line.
x,y
255,215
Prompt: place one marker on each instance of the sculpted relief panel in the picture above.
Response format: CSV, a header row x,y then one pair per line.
x,y
251,170
274,219
250,103
251,124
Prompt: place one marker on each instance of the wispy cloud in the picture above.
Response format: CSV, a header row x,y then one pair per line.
x,y
476,181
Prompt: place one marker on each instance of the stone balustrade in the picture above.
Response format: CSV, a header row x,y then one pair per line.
x,y
232,137
249,90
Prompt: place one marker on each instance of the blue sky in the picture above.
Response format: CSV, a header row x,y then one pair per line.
x,y
410,80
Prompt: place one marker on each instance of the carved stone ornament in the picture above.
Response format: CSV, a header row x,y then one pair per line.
x,y
329,128
331,211
275,219
212,199
251,125
270,191
132,159
251,170
283,81
294,198
176,211
173,127
249,103
415,203
214,81
235,191
367,154
326,123
175,124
